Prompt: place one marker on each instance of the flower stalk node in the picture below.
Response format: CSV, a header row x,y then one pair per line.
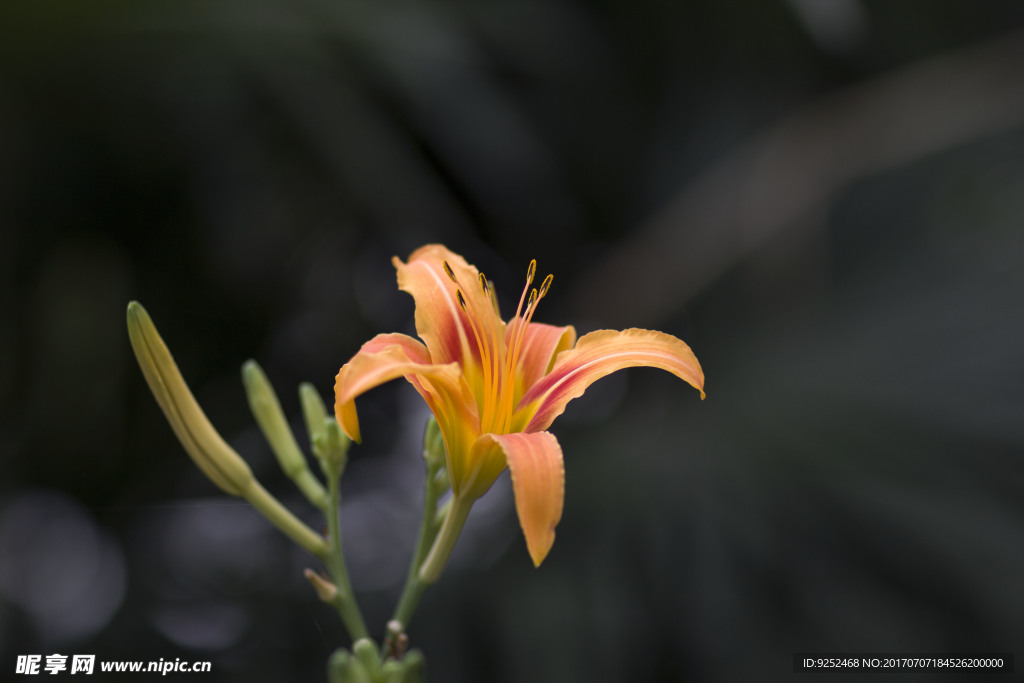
x,y
396,642
325,590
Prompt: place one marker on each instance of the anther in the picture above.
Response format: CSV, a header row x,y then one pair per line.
x,y
462,300
532,300
483,283
546,285
448,270
531,272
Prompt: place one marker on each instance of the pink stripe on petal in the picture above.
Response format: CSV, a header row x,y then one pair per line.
x,y
540,347
368,370
599,354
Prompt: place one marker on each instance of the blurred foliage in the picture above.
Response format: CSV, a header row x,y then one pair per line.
x,y
823,198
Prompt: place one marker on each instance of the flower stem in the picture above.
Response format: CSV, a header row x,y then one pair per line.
x,y
414,587
283,519
445,541
345,602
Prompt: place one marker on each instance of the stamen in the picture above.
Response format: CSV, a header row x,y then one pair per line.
x,y
522,325
546,285
494,303
492,360
481,325
461,326
505,394
530,273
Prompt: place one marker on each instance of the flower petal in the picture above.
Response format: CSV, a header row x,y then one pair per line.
x,y
541,345
387,357
440,320
413,348
601,353
538,482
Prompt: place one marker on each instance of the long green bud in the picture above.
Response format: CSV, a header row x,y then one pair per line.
x,y
266,408
208,450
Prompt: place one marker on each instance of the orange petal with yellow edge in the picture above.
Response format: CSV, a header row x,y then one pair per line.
x,y
440,320
599,354
538,483
370,368
541,344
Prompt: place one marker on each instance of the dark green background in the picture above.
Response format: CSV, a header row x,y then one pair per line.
x,y
823,197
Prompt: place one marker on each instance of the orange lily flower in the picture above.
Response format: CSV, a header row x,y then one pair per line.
x,y
495,387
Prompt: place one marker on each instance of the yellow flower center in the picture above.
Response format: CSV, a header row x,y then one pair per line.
x,y
494,381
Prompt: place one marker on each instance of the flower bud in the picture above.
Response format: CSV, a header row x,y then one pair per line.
x,y
208,450
433,445
269,416
393,671
342,667
366,652
334,450
415,667
314,413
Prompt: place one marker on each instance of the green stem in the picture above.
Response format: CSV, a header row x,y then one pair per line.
x,y
283,519
414,587
445,541
345,602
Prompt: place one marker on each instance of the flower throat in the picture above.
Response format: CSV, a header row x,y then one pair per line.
x,y
499,353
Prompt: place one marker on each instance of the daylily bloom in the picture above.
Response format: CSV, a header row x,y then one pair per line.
x,y
494,386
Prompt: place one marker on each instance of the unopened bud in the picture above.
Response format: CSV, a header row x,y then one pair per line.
x,y
208,450
342,667
393,671
415,667
334,449
433,444
365,650
269,416
314,413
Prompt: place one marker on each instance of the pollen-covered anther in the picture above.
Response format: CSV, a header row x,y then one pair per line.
x,y
462,299
531,272
448,271
546,285
483,283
